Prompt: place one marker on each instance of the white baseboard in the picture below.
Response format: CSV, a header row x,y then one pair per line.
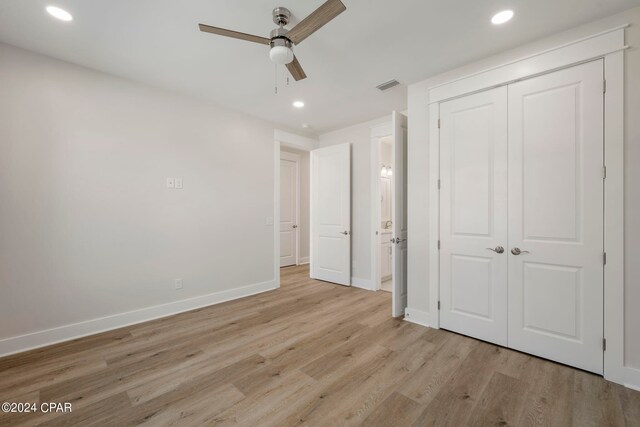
x,y
417,316
47,337
303,260
631,378
362,283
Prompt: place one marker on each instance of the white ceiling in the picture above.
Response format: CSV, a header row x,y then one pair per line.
x,y
158,42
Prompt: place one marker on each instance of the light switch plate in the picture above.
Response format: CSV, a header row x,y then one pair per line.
x,y
269,220
178,283
170,183
178,183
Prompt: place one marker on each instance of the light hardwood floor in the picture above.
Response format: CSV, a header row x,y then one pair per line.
x,y
310,353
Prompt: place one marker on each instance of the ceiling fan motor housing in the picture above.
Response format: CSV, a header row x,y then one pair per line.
x,y
281,16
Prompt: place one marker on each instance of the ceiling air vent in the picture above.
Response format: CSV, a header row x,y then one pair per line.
x,y
388,85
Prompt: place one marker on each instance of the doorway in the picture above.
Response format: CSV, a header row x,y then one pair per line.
x,y
289,208
293,206
385,148
389,210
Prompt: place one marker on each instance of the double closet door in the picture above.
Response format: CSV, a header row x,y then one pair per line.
x,y
521,221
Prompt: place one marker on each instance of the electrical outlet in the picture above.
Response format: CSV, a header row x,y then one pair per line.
x,y
171,183
178,183
178,283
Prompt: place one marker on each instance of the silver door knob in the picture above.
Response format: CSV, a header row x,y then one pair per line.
x,y
517,251
399,240
346,233
498,249
295,226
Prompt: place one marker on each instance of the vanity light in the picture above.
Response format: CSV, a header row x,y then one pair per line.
x,y
385,171
298,104
61,14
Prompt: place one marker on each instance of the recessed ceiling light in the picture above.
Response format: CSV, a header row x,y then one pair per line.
x,y
502,17
298,104
61,14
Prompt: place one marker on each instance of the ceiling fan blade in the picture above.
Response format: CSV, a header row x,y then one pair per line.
x,y
234,34
318,18
296,70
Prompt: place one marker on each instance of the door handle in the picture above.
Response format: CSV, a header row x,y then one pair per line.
x,y
398,240
346,233
295,226
498,249
517,251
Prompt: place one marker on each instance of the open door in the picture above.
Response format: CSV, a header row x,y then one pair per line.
x,y
399,214
331,214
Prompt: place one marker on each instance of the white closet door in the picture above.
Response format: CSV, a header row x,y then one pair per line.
x,y
556,216
288,209
473,234
331,214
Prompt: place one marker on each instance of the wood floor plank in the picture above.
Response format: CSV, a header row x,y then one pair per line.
x,y
437,368
309,353
457,399
396,411
550,400
501,403
589,389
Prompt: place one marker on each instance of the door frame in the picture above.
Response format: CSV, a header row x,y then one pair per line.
x,y
607,45
282,139
292,157
377,133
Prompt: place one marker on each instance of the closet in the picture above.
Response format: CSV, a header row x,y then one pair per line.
x,y
521,215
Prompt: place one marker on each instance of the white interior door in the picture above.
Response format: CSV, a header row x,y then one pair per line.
x,y
556,216
288,209
331,214
473,233
399,214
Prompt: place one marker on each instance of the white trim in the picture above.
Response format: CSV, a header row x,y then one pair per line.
x,y
416,316
635,386
292,140
434,215
293,157
614,363
610,46
47,337
573,53
358,282
304,260
276,212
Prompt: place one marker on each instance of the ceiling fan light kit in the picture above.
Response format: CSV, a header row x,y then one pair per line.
x,y
282,40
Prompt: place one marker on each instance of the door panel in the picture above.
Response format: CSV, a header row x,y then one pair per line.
x,y
473,195
556,214
331,214
399,214
288,210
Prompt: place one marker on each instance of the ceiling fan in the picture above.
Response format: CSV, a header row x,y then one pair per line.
x,y
283,40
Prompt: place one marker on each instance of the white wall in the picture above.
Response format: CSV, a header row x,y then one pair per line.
x,y
359,136
419,168
87,227
304,225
